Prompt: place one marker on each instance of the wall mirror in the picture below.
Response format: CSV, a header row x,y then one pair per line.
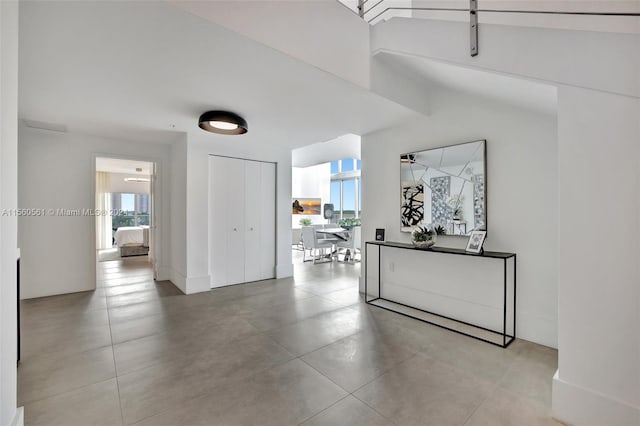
x,y
445,187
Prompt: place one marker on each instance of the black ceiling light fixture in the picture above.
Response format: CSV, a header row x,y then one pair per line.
x,y
223,122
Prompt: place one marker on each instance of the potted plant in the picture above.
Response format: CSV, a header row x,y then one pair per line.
x,y
423,237
349,223
305,221
440,230
455,204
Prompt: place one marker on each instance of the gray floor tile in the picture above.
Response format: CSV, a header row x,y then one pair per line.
x,y
97,404
150,350
423,391
346,297
201,358
358,359
167,385
67,303
504,408
313,333
530,375
47,375
348,412
277,316
284,395
60,338
326,286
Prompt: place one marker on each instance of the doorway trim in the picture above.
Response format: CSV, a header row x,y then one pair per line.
x,y
158,213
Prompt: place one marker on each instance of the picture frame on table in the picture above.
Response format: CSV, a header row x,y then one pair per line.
x,y
476,241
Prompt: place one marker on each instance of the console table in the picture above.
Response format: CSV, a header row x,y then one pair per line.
x,y
499,337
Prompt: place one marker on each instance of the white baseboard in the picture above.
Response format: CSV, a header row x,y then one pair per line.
x,y
163,273
284,271
18,417
198,284
178,280
578,406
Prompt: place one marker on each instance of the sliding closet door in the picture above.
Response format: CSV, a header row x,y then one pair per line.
x,y
253,213
235,206
267,220
218,218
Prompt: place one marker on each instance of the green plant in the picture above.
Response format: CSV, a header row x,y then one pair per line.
x,y
440,230
422,233
305,221
348,223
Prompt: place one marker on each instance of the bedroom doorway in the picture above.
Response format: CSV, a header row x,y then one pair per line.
x,y
124,205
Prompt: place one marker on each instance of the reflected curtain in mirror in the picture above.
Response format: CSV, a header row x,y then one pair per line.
x,y
444,187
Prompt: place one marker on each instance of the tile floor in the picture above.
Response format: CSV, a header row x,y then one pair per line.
x,y
301,350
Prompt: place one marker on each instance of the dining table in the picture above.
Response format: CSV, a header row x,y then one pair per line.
x,y
339,233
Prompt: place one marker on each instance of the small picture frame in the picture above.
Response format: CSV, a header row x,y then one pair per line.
x,y
380,234
476,240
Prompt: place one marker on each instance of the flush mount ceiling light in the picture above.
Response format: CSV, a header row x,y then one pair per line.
x,y
136,179
223,122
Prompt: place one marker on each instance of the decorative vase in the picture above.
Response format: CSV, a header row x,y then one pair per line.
x,y
424,244
424,237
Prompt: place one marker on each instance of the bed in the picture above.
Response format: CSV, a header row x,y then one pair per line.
x,y
132,240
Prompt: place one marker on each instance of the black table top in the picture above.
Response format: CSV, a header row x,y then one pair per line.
x,y
491,254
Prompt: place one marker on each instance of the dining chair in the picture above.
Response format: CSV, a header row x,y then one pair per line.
x,y
313,245
352,244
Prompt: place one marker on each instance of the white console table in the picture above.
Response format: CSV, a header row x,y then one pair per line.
x,y
501,336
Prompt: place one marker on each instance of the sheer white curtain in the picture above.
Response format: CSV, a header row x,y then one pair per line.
x,y
103,204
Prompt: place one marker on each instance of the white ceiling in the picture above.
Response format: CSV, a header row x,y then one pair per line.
x,y
117,165
346,146
147,70
490,85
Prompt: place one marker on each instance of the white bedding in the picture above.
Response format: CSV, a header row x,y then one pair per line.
x,y
132,236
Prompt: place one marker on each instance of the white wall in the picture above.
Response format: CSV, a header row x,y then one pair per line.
x,y
322,33
311,182
57,170
599,186
118,184
597,371
198,279
8,200
178,212
521,189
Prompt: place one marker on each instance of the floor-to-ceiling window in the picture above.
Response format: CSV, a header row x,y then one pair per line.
x,y
346,188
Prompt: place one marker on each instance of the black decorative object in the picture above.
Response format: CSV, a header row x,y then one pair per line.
x,y
328,211
412,212
385,303
223,122
380,234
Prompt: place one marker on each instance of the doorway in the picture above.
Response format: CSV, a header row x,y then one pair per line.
x,y
124,210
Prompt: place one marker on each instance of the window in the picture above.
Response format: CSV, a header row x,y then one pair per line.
x,y
134,209
346,188
347,165
348,199
336,195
